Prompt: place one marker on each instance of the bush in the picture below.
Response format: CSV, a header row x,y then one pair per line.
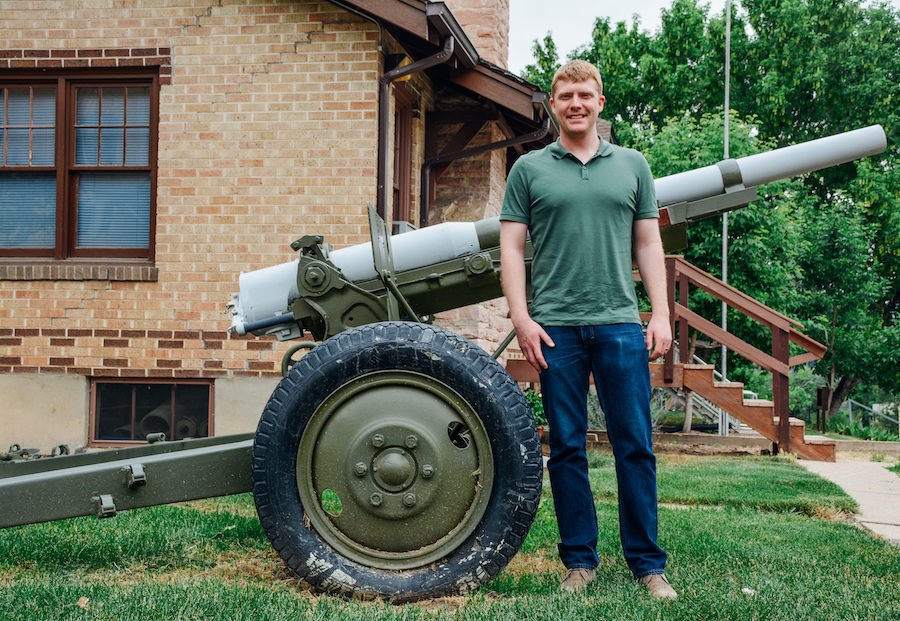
x,y
841,424
537,406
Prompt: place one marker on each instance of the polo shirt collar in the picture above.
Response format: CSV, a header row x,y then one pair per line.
x,y
558,151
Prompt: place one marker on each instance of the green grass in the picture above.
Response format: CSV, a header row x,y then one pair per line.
x,y
732,523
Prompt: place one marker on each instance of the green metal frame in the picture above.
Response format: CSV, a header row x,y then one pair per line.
x,y
105,482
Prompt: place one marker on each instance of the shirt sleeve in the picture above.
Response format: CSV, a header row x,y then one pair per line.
x,y
516,200
646,199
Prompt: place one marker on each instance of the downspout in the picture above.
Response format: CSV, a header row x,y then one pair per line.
x,y
427,165
384,110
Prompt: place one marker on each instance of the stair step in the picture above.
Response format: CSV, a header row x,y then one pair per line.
x,y
819,440
700,367
728,385
793,422
759,403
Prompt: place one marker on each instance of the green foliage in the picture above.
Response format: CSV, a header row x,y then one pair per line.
x,y
537,406
860,428
545,65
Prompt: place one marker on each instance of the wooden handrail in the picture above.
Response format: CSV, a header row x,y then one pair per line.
x,y
680,275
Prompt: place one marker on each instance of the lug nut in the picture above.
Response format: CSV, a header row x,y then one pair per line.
x,y
409,500
411,442
427,471
361,469
378,440
376,499
315,276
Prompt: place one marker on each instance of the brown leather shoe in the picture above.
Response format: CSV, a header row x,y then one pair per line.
x,y
576,579
659,586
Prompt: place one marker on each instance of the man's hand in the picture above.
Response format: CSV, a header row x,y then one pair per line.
x,y
659,336
530,335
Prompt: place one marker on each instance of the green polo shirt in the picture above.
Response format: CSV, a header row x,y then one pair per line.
x,y
580,217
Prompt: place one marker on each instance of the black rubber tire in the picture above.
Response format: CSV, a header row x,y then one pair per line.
x,y
446,358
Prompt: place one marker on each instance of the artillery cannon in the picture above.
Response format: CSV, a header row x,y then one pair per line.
x,y
395,459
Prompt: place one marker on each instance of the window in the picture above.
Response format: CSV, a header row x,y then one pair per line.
x,y
402,154
124,412
78,166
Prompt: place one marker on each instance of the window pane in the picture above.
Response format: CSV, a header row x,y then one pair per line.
x,y
44,113
137,146
87,106
112,106
17,149
86,140
114,210
114,408
112,146
43,146
138,106
27,210
19,107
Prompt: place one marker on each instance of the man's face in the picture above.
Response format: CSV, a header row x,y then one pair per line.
x,y
577,106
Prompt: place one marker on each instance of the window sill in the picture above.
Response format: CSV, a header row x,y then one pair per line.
x,y
135,271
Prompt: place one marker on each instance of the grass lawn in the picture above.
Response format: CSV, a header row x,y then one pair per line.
x,y
748,538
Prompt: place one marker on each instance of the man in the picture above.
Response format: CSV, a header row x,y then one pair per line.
x,y
587,205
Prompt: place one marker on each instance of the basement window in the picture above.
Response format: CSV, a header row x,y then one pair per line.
x,y
124,413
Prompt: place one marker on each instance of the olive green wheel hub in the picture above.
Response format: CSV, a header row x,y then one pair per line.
x,y
394,470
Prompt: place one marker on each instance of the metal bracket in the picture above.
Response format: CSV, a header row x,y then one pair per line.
x,y
106,508
384,265
136,476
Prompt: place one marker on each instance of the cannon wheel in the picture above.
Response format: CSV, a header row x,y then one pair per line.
x,y
397,460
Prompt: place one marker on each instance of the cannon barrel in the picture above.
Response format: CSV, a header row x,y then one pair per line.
x,y
455,264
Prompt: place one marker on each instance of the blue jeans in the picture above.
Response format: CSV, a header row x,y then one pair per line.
x,y
617,356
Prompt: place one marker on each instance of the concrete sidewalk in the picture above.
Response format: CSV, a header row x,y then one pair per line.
x,y
875,488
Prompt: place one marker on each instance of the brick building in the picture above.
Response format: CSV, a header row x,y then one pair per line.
x,y
151,151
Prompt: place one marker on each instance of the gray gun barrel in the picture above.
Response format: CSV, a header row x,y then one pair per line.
x,y
773,165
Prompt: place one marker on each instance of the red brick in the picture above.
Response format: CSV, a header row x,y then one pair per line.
x,y
89,53
159,334
133,373
76,332
62,362
10,342
134,334
50,64
62,53
62,342
171,344
52,332
143,51
168,364
14,360
27,332
11,53
213,364
115,362
186,373
161,373
37,54
261,365
116,52
112,333
259,346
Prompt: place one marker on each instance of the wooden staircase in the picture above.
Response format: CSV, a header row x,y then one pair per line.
x,y
759,414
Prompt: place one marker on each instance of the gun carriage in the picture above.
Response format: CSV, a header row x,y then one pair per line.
x,y
395,459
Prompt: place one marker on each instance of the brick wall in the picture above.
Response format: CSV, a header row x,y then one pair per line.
x,y
267,132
